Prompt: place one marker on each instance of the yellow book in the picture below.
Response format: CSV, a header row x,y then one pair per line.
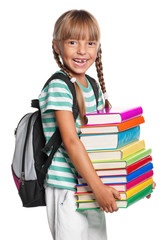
x,y
136,189
89,197
117,154
132,148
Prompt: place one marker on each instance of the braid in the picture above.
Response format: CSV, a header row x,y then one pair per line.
x,y
79,94
99,69
61,66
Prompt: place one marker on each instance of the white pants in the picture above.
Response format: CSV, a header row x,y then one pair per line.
x,y
68,224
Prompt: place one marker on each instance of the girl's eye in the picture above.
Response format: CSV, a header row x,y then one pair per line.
x,y
91,44
72,43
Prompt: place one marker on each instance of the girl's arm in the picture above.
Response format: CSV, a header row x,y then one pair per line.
x,y
105,196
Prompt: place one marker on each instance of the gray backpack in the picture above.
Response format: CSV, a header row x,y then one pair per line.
x,y
30,160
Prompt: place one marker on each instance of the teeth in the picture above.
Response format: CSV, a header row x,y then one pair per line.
x,y
80,60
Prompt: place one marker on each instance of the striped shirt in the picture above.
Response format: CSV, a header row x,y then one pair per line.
x,y
57,96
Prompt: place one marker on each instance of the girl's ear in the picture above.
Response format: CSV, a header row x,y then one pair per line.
x,y
55,46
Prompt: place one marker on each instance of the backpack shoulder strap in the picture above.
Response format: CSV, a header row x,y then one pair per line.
x,y
55,141
56,138
94,87
65,78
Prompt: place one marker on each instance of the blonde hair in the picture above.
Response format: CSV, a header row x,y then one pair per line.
x,y
73,24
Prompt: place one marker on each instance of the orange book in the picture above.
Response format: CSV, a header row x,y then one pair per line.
x,y
112,128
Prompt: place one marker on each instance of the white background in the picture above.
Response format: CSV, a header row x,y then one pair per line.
x,y
132,44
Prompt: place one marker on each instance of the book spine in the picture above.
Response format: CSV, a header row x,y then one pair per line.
x,y
139,179
128,136
131,123
132,148
138,164
139,188
139,172
135,112
134,158
145,192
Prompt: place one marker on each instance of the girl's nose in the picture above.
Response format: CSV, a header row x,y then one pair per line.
x,y
82,49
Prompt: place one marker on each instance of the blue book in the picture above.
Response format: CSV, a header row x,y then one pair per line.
x,y
122,179
139,172
107,141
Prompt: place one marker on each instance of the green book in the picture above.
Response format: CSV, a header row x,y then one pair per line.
x,y
89,205
145,192
110,164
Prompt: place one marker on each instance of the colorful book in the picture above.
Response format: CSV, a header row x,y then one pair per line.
x,y
112,128
122,187
136,189
124,195
120,203
124,171
117,154
122,179
113,115
125,162
110,140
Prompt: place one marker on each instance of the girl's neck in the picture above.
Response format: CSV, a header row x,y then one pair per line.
x,y
82,81
80,78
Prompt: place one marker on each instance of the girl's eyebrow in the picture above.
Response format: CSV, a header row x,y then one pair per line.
x,y
76,39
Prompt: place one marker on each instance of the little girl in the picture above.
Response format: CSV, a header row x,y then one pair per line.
x,y
76,46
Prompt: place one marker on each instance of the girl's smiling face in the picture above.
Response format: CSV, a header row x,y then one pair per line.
x,y
77,54
76,40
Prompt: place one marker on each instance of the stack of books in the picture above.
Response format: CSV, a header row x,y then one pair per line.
x,y
120,158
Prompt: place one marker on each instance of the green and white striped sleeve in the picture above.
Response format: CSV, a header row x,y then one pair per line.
x,y
56,96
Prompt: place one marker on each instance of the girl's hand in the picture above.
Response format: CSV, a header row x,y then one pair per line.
x,y
154,185
106,198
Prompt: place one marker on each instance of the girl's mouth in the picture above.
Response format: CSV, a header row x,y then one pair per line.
x,y
79,61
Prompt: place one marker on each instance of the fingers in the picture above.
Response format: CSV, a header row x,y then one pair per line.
x,y
114,206
154,185
116,194
108,203
148,196
102,209
110,208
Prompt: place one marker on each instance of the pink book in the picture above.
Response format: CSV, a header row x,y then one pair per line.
x,y
138,180
83,188
113,115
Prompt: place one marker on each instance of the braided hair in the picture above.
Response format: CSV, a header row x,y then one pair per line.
x,y
100,75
